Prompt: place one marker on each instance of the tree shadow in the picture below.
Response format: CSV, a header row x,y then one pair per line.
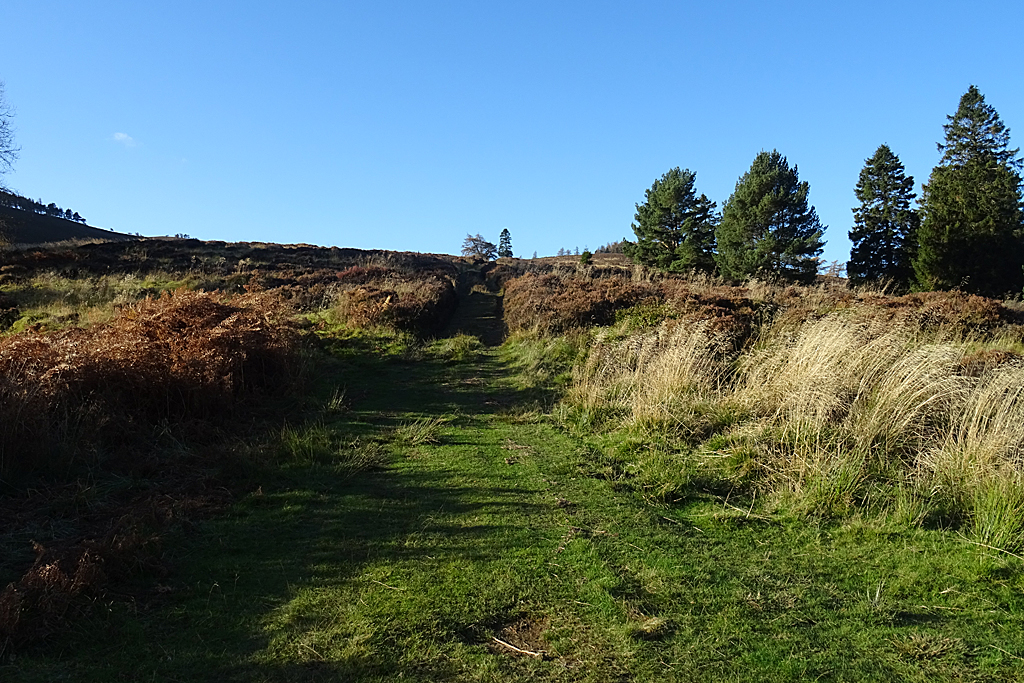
x,y
319,528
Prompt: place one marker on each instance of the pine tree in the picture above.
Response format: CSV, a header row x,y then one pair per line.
x,y
971,235
767,228
675,228
504,244
884,235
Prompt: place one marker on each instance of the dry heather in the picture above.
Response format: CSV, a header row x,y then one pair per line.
x,y
178,364
182,357
555,303
373,296
59,286
561,300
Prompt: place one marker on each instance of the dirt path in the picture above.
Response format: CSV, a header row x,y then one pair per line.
x,y
479,313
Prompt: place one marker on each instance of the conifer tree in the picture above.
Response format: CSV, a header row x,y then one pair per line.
x,y
767,228
884,234
505,244
971,233
675,228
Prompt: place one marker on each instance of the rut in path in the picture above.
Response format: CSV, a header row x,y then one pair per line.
x,y
479,312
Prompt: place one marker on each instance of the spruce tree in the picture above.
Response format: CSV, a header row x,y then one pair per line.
x,y
971,233
767,228
884,234
504,244
675,228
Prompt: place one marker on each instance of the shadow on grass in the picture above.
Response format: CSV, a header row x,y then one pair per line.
x,y
317,528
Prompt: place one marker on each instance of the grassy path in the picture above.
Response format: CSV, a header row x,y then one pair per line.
x,y
485,523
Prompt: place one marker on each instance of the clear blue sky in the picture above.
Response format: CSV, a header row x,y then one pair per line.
x,y
407,125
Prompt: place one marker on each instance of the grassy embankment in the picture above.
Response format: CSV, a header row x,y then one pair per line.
x,y
435,510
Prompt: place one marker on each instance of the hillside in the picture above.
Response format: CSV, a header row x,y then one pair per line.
x,y
28,227
263,462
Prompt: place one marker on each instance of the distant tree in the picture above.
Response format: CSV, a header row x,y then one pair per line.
x,y
832,268
767,228
675,229
585,257
477,247
971,233
505,244
535,254
884,233
78,219
561,252
612,248
8,150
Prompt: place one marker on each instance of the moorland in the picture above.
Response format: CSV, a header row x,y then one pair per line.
x,y
265,463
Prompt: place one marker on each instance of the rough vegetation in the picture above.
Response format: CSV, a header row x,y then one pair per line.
x,y
332,468
822,398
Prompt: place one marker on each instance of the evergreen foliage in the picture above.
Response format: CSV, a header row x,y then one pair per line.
x,y
885,225
505,244
675,228
767,228
971,232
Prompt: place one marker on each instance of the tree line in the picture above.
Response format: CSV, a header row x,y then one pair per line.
x,y
966,232
475,246
8,155
16,201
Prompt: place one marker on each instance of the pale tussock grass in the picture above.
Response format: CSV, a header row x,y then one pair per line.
x,y
831,413
650,377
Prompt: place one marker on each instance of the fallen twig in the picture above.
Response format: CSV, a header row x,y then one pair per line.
x,y
990,547
747,513
1005,652
538,655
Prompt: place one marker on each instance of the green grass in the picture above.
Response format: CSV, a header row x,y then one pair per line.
x,y
468,516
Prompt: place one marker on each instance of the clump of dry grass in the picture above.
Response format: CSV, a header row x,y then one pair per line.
x,y
181,357
656,377
837,400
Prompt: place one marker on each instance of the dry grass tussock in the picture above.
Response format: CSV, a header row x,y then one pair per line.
x,y
918,401
182,357
658,376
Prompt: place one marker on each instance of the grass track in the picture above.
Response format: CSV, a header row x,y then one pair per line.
x,y
485,523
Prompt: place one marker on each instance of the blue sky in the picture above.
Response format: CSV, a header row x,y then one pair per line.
x,y
407,125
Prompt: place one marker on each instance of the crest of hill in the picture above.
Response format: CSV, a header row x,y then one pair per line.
x,y
27,227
